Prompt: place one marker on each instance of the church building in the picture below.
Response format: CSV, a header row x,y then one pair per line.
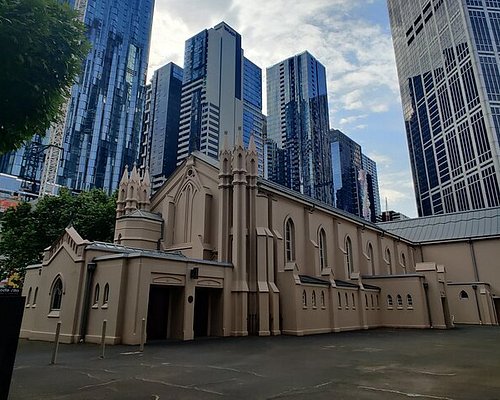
x,y
218,251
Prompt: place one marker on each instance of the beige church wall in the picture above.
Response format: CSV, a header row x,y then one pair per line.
x,y
282,210
456,257
189,206
44,322
30,287
371,304
138,232
290,301
111,272
487,254
347,312
314,313
369,266
471,304
407,314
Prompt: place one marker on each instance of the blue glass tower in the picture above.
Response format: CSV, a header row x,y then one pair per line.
x,y
103,121
447,54
354,177
297,122
163,116
253,119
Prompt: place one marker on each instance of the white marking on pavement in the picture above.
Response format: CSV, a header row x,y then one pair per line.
x,y
425,396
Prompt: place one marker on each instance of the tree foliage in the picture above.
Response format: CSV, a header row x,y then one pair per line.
x,y
28,229
42,46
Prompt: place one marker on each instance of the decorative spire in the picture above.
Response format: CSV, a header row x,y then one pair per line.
x,y
251,144
239,139
124,179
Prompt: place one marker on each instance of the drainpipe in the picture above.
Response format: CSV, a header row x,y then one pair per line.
x,y
91,267
426,291
477,304
474,263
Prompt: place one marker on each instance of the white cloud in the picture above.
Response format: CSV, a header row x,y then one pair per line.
x,y
358,55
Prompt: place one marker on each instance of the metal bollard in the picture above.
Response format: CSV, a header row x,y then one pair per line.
x,y
143,334
103,338
56,343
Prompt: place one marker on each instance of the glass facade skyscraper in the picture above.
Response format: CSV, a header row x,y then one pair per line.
x,y
162,122
298,124
212,91
447,55
354,175
253,119
102,126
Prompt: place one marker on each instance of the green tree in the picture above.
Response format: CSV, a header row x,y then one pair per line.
x,y
28,229
42,46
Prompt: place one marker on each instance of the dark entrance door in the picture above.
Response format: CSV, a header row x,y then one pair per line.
x,y
496,301
158,312
201,312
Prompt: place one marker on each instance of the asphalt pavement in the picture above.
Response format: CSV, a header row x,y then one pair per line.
x,y
462,363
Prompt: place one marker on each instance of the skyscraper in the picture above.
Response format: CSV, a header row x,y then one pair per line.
x,y
212,91
447,54
103,120
162,122
253,119
355,183
297,122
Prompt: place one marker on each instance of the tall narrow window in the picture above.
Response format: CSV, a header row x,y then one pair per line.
x,y
388,260
35,296
389,301
56,295
340,299
290,240
28,299
322,299
96,294
400,300
304,299
314,299
105,297
348,256
322,249
371,261
403,262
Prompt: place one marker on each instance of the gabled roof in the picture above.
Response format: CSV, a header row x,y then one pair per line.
x,y
456,226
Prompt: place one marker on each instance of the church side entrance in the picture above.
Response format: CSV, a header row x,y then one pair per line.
x,y
207,312
164,312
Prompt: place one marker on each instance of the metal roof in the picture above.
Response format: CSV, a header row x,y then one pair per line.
x,y
456,226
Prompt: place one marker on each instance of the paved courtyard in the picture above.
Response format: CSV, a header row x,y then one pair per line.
x,y
463,363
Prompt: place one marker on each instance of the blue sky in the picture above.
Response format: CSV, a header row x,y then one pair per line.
x,y
350,37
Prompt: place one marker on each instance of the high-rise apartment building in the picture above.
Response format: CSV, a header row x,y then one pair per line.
x,y
212,91
161,123
448,58
355,183
103,119
297,123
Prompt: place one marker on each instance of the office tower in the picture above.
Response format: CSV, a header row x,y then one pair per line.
x,y
354,178
370,167
253,119
161,123
103,121
212,91
297,122
447,56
